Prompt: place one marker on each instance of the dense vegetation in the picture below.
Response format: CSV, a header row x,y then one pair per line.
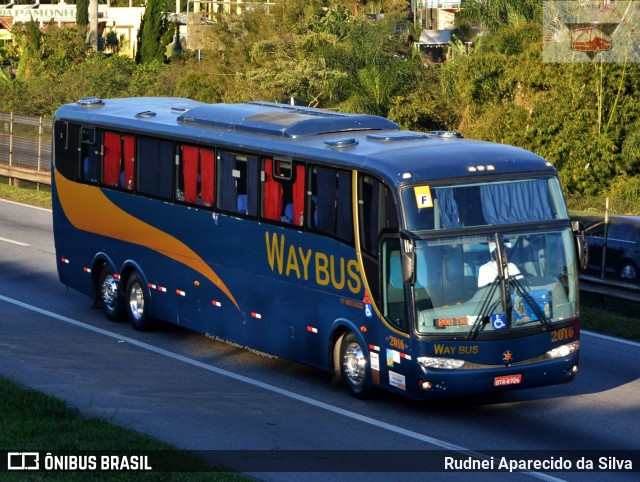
x,y
584,117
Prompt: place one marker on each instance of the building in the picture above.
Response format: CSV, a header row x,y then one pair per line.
x,y
435,14
124,21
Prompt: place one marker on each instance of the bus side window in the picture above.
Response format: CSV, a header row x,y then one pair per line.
x,y
331,203
118,160
128,162
112,160
377,211
238,177
196,174
155,167
283,191
393,296
271,193
90,154
66,149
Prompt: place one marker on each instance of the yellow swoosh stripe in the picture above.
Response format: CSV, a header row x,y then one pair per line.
x,y
87,208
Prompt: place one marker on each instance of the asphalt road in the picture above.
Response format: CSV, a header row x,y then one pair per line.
x,y
202,394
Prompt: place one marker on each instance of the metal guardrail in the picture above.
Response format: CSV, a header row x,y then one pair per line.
x,y
25,148
613,289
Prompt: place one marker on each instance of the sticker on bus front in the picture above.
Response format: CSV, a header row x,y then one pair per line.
x,y
423,197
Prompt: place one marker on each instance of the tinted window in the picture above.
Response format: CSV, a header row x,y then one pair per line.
x,y
66,149
620,231
155,167
238,183
377,212
118,160
331,203
596,230
90,155
481,204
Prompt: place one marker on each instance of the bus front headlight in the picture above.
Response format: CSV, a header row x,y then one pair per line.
x,y
436,362
564,350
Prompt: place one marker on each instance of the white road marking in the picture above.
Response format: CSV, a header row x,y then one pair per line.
x,y
11,241
265,386
26,205
610,338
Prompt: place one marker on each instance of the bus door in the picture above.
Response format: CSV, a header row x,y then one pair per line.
x,y
394,302
380,251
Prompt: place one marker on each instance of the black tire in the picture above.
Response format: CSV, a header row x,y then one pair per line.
x,y
354,367
137,304
110,295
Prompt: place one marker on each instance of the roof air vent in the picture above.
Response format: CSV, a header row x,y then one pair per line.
x,y
342,142
147,114
446,134
397,136
90,102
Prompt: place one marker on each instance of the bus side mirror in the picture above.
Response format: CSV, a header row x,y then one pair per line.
x,y
582,248
408,259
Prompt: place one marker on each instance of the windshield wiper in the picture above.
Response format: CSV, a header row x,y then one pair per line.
x,y
486,308
535,307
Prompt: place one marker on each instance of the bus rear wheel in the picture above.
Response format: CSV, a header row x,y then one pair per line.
x,y
109,295
353,367
137,304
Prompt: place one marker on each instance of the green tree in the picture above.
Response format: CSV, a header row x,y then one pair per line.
x,y
154,30
495,14
82,13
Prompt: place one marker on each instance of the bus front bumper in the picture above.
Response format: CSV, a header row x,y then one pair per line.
x,y
440,383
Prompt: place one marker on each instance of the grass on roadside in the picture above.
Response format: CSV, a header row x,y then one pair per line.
x,y
610,316
32,421
33,197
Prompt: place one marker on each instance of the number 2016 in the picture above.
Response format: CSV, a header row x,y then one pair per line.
x,y
562,334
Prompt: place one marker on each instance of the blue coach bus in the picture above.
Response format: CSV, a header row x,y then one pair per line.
x,y
422,263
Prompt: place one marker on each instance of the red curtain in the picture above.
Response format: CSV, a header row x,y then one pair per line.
x,y
129,162
190,173
298,196
272,193
111,161
207,170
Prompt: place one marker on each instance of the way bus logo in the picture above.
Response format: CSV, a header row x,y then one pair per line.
x,y
588,31
305,264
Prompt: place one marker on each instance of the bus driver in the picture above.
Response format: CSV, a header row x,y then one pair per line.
x,y
489,271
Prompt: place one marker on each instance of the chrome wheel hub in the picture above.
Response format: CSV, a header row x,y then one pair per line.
x,y
110,292
355,364
136,301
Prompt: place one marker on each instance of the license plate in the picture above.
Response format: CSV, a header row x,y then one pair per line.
x,y
507,380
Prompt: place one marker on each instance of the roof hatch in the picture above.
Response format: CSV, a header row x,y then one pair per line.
x,y
281,119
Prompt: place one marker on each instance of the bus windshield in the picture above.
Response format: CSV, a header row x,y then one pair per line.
x,y
434,207
475,284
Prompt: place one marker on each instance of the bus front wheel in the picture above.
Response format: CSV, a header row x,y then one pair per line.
x,y
109,295
137,304
353,366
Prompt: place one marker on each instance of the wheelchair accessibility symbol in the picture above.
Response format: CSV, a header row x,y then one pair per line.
x,y
367,310
498,321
